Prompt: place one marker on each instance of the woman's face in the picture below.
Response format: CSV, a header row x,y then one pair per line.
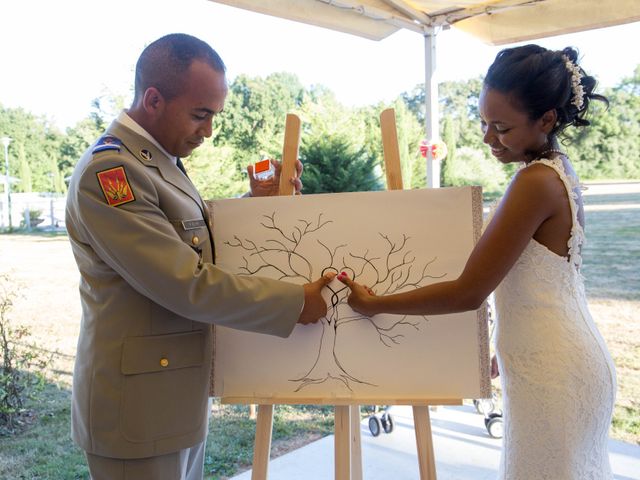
x,y
508,131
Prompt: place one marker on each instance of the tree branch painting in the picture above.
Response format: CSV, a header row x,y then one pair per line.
x,y
387,266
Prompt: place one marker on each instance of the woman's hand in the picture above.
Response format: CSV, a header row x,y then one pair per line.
x,y
362,299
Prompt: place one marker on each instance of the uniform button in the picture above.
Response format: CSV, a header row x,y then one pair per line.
x,y
164,362
195,240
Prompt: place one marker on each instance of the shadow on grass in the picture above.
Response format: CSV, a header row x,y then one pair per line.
x,y
44,449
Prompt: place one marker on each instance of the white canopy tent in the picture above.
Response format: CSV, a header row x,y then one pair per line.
x,y
495,22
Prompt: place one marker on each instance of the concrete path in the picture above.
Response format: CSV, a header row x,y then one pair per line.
x,y
463,450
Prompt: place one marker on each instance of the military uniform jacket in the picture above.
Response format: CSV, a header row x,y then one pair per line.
x,y
150,293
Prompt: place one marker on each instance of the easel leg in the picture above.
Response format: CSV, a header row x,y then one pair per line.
x,y
262,446
424,442
356,444
342,445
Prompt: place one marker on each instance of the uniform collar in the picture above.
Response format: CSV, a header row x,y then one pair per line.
x,y
131,124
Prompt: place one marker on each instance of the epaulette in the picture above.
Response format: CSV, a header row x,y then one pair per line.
x,y
107,142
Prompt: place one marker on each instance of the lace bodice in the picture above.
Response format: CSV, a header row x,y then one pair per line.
x,y
557,376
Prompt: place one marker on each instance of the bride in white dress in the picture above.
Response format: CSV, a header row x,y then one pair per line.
x,y
558,379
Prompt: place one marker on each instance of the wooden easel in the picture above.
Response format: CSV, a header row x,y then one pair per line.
x,y
347,447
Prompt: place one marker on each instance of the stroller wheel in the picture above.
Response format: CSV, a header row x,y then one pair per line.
x,y
495,427
490,417
387,423
375,426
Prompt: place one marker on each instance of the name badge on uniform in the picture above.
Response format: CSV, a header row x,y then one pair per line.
x,y
193,224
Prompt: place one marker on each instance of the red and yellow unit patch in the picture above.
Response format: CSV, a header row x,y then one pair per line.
x,y
115,186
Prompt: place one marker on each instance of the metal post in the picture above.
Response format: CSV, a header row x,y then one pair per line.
x,y
52,214
431,116
27,218
7,186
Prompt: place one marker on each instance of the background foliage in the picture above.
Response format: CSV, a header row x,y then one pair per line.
x,y
341,145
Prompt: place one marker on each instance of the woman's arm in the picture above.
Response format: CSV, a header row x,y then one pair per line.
x,y
531,199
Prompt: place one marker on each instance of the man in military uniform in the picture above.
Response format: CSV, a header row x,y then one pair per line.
x,y
149,289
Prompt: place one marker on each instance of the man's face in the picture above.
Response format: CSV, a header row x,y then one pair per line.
x,y
185,121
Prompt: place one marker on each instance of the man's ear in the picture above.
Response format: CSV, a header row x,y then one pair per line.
x,y
548,120
152,101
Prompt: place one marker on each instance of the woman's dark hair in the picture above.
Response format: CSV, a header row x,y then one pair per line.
x,y
162,64
538,80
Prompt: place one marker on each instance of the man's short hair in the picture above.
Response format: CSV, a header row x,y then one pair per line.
x,y
163,63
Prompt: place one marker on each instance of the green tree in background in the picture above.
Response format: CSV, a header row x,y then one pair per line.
x,y
215,173
323,115
56,176
333,164
34,138
449,137
610,147
460,127
253,122
24,171
255,112
410,133
76,141
471,167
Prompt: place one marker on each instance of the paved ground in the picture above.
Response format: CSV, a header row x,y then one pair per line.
x,y
605,188
463,450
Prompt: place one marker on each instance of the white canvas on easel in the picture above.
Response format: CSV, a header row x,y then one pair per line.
x,y
390,241
348,462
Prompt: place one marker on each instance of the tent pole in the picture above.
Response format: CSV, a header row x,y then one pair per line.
x,y
431,117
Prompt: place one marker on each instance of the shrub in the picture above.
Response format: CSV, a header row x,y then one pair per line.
x,y
472,167
333,164
21,368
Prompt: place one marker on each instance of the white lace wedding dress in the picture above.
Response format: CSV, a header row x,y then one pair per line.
x,y
558,379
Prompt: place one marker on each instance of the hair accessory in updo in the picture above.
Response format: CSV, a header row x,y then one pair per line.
x,y
576,86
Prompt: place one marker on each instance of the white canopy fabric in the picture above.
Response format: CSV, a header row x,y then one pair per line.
x,y
495,22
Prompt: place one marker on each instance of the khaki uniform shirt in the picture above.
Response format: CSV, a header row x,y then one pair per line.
x,y
150,293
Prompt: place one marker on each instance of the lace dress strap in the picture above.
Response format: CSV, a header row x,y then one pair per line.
x,y
576,237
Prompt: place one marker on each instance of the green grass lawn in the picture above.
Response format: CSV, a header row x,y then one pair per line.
x,y
612,280
612,252
45,451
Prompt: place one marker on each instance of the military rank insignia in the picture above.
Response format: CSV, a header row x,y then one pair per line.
x,y
115,186
107,142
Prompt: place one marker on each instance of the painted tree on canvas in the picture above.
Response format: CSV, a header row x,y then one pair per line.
x,y
387,266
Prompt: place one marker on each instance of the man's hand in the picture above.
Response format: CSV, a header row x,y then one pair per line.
x,y
362,298
271,187
314,305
